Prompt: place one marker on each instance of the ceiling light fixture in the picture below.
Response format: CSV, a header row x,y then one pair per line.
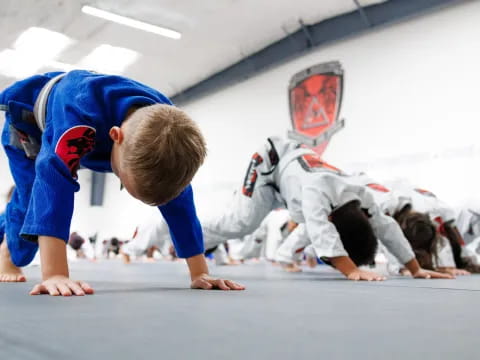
x,y
109,59
42,43
131,22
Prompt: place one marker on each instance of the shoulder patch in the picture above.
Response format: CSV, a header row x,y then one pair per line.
x,y
313,163
73,145
251,175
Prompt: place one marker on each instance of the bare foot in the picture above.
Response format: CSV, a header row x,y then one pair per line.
x,y
8,271
293,268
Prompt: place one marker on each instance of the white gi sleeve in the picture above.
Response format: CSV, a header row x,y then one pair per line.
x,y
322,233
445,254
220,255
293,245
393,265
273,238
242,217
390,234
387,229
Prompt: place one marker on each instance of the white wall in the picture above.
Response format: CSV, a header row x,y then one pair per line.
x,y
411,104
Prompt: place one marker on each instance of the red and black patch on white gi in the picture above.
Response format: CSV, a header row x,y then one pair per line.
x,y
251,175
313,163
426,192
378,187
73,145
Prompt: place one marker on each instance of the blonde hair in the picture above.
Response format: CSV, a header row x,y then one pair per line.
x,y
163,150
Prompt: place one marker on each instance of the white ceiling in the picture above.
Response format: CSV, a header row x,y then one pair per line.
x,y
215,33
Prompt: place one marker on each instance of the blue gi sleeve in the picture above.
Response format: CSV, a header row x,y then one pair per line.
x,y
185,228
2,226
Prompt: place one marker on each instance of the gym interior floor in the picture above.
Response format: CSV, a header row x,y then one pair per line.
x,y
147,311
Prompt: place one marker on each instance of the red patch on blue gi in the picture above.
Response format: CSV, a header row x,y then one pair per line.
x,y
74,144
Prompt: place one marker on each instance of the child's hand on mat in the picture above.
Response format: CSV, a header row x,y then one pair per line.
x,y
359,274
62,285
428,274
454,271
206,282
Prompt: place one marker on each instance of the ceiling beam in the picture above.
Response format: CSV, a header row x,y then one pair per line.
x,y
309,37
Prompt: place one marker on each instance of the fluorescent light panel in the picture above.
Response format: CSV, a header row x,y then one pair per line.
x,y
109,59
42,43
33,49
19,65
131,22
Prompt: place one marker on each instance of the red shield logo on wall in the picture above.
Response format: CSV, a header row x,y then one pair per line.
x,y
315,96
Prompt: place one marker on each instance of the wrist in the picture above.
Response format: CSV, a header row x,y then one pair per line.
x,y
344,264
413,266
197,266
53,257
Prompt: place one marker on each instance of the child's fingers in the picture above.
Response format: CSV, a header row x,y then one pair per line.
x,y
424,276
37,289
86,287
64,289
52,289
76,289
234,286
441,276
221,284
354,277
201,284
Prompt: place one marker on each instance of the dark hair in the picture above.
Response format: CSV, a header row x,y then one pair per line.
x,y
114,241
356,233
421,233
76,241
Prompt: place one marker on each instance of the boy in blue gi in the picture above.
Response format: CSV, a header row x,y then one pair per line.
x,y
56,123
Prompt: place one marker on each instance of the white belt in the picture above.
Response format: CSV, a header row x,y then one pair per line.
x,y
40,107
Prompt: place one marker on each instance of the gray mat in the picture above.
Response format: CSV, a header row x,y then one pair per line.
x,y
147,310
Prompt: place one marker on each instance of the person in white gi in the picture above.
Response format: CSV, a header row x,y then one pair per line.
x,y
285,172
262,243
268,237
151,234
468,223
296,245
418,213
452,256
